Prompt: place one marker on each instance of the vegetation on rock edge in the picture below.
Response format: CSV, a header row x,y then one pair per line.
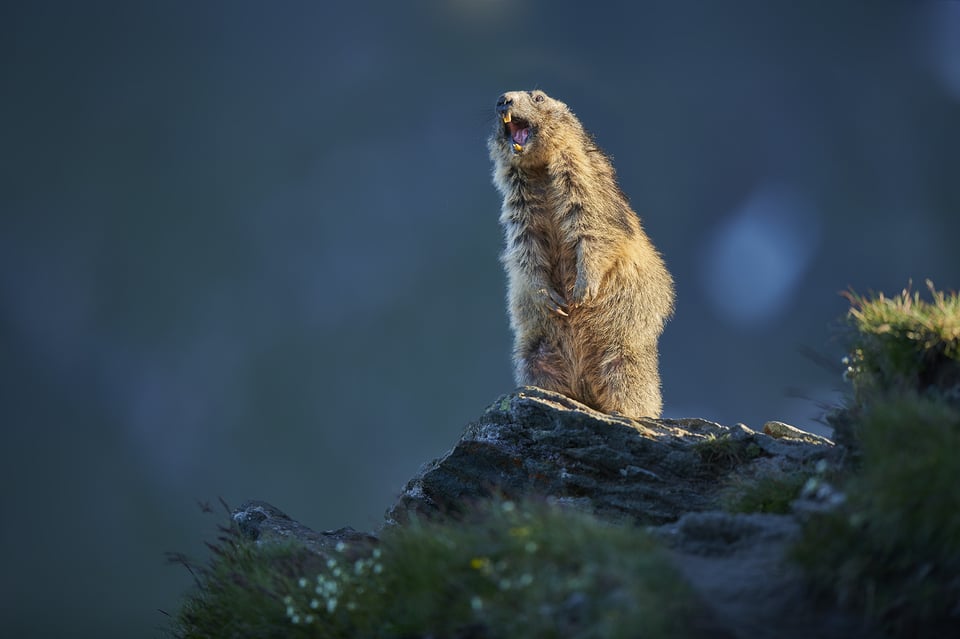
x,y
505,571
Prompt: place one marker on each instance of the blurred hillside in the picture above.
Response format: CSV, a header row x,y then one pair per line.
x,y
250,250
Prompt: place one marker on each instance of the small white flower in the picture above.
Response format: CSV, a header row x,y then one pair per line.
x,y
531,547
303,582
376,553
476,603
314,603
340,546
377,569
295,619
308,619
331,605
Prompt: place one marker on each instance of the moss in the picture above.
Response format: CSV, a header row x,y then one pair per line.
x,y
504,571
893,549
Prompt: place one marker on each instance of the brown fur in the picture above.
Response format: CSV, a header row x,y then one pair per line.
x,y
588,293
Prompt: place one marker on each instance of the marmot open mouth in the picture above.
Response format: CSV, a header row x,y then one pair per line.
x,y
517,129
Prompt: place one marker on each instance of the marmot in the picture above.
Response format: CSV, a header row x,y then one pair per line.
x,y
588,293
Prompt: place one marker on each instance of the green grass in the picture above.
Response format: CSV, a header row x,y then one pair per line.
x,y
238,593
504,571
893,549
723,453
769,493
904,343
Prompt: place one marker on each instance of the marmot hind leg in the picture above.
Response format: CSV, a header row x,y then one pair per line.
x,y
628,382
540,363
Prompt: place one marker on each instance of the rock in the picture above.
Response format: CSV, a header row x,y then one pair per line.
x,y
538,443
779,430
736,564
664,474
263,523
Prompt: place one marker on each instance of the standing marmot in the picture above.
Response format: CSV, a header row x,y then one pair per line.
x,y
588,292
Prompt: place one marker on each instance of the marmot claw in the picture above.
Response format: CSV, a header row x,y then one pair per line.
x,y
558,303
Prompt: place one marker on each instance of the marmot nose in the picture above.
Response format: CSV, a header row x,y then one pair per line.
x,y
503,104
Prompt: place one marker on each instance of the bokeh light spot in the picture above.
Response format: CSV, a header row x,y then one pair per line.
x,y
757,257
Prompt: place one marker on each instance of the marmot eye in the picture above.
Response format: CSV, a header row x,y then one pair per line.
x,y
538,97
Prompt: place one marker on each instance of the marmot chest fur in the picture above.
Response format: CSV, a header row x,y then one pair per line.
x,y
588,293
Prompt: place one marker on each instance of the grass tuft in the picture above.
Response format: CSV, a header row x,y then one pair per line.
x,y
904,343
720,454
768,493
237,593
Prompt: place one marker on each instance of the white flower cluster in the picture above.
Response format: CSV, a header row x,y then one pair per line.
x,y
341,580
851,365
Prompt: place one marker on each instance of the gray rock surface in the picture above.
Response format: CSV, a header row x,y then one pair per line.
x,y
264,523
538,443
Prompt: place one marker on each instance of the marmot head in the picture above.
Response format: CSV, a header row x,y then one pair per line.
x,y
528,124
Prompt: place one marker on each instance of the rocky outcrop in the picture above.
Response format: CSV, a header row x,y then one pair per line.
x,y
666,475
538,443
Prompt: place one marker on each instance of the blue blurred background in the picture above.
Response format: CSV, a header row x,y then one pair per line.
x,y
249,249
